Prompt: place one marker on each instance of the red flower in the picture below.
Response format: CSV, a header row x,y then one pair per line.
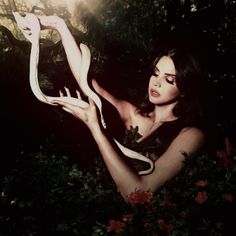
x,y
221,154
201,183
164,226
227,155
140,197
225,158
201,197
115,225
228,197
229,147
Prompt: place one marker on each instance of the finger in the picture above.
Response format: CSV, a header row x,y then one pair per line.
x,y
67,92
59,102
60,93
65,104
91,102
69,100
67,110
78,95
94,83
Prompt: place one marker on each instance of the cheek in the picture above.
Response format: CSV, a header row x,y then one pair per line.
x,y
177,92
174,92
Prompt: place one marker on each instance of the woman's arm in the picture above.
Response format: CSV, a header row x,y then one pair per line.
x,y
75,58
190,140
73,52
124,108
166,167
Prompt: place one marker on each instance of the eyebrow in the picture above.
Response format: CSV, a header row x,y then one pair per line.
x,y
168,74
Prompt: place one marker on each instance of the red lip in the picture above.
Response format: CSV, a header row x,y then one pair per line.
x,y
154,93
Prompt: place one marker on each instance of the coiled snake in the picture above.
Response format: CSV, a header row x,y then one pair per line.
x,y
83,83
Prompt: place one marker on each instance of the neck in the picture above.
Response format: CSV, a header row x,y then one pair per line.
x,y
164,113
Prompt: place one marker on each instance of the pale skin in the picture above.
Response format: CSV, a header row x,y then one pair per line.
x,y
163,93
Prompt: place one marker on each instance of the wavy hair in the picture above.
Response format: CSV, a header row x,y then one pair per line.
x,y
191,82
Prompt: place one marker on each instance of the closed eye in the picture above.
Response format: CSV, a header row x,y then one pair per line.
x,y
170,79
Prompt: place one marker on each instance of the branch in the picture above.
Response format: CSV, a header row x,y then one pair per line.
x,y
14,41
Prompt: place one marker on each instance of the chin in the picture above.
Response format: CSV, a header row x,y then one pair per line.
x,y
152,101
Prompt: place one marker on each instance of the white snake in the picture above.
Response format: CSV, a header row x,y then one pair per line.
x,y
85,64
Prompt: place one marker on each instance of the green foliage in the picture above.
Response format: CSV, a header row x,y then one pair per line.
x,y
199,201
47,194
144,24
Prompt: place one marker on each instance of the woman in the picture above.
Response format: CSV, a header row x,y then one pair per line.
x,y
173,114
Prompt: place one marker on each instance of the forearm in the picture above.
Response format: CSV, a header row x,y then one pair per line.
x,y
72,50
125,178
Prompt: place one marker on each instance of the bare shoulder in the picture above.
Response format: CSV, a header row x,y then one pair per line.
x,y
129,113
192,132
190,139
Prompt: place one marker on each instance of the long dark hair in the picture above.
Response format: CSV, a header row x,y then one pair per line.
x,y
191,82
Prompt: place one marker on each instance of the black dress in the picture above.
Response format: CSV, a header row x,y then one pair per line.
x,y
155,144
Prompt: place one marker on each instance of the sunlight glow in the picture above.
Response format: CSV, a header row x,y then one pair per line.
x,y
69,4
75,9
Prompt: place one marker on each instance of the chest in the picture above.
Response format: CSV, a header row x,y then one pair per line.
x,y
145,125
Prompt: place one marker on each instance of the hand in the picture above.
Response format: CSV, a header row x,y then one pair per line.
x,y
82,110
51,22
29,25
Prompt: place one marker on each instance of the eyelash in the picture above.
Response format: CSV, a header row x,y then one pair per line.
x,y
170,81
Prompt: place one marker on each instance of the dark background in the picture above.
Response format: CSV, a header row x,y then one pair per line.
x,y
123,37
123,47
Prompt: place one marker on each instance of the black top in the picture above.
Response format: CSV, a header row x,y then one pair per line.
x,y
152,146
155,144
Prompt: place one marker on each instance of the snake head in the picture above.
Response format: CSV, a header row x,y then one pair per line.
x,y
29,26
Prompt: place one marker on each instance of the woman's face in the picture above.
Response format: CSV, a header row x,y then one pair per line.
x,y
162,85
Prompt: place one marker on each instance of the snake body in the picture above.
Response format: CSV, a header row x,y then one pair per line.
x,y
86,59
83,83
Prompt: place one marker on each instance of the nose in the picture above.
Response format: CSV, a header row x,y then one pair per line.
x,y
157,83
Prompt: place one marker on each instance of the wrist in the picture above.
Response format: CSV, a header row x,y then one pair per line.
x,y
96,131
62,28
